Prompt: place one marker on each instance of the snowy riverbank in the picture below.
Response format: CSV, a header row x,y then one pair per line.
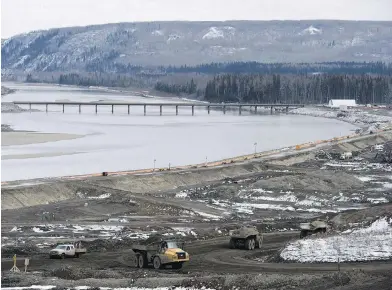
x,y
366,119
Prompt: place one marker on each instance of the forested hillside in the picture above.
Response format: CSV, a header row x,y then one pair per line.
x,y
315,89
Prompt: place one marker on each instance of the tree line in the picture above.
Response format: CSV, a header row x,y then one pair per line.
x,y
188,88
285,68
251,88
304,89
97,79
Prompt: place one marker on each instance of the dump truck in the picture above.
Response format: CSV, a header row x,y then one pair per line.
x,y
248,237
314,227
67,250
160,251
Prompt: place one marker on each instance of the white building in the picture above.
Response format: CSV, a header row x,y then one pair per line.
x,y
342,103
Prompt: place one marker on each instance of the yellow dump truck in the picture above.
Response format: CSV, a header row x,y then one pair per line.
x,y
160,252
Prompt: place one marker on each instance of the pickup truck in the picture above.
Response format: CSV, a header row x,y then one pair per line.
x,y
67,250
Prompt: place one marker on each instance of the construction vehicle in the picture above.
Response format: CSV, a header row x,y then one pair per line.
x,y
314,227
160,251
248,237
67,250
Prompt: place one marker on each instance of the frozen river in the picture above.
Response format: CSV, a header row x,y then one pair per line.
x,y
107,142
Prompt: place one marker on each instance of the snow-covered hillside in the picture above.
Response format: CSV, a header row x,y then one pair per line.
x,y
364,244
112,47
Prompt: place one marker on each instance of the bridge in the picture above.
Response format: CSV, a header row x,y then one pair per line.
x,y
208,106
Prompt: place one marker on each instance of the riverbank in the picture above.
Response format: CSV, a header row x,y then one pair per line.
x,y
6,91
17,194
368,119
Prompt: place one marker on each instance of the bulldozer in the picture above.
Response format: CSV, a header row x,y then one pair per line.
x,y
160,252
248,237
314,227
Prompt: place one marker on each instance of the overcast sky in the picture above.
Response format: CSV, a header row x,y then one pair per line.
x,y
19,16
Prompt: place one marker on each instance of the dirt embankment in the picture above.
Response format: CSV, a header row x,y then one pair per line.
x,y
21,196
350,146
53,191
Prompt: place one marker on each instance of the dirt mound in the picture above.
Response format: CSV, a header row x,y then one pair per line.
x,y
73,273
312,181
24,250
364,215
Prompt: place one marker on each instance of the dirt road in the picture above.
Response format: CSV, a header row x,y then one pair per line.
x,y
211,255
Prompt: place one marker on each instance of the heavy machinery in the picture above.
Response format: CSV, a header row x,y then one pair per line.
x,y
67,250
248,237
314,227
160,252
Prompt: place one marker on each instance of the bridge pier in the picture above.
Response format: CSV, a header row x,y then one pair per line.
x,y
46,108
208,109
255,109
80,109
176,110
30,107
112,109
145,110
287,109
160,110
271,109
240,109
63,108
224,109
129,108
96,109
193,110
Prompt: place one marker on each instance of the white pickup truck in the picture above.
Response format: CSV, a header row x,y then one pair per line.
x,y
67,250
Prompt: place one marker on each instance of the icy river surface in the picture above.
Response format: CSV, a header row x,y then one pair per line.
x,y
118,141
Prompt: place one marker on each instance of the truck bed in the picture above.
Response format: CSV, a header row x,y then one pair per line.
x,y
143,248
80,250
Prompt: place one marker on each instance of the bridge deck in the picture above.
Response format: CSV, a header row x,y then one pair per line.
x,y
155,104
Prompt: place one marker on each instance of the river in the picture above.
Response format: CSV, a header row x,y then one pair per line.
x,y
114,142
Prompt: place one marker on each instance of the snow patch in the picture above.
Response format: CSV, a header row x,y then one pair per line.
x,y
377,200
157,33
15,229
102,196
366,244
181,194
365,178
39,230
207,215
173,37
311,30
219,32
262,206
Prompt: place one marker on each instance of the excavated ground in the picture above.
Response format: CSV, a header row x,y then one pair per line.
x,y
275,196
